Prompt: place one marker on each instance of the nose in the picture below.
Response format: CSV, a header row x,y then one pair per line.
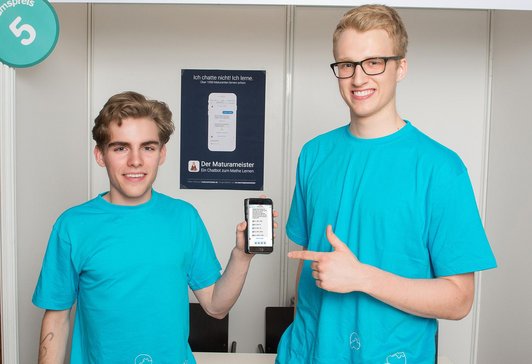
x,y
359,76
134,158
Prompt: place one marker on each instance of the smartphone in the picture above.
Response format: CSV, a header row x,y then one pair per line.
x,y
221,127
259,231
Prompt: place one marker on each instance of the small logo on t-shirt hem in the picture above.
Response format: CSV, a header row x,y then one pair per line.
x,y
354,341
396,358
143,359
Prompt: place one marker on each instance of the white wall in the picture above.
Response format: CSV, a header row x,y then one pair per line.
x,y
143,48
506,314
51,157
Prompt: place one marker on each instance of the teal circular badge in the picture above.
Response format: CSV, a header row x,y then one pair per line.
x,y
28,31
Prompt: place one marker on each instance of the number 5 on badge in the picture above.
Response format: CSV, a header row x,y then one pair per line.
x,y
29,30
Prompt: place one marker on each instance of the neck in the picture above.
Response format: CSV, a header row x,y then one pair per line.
x,y
117,199
366,128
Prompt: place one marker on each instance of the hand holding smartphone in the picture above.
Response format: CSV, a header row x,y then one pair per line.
x,y
259,231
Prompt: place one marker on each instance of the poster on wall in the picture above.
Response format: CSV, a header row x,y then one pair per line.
x,y
222,129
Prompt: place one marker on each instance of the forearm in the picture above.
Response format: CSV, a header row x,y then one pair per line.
x,y
228,287
340,271
445,297
54,337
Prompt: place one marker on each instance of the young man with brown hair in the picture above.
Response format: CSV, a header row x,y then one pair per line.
x,y
128,256
407,233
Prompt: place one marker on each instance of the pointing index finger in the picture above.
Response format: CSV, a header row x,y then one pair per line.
x,y
305,255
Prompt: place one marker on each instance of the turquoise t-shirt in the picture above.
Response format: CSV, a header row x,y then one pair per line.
x,y
128,268
402,203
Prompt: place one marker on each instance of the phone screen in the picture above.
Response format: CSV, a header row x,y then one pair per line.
x,y
259,217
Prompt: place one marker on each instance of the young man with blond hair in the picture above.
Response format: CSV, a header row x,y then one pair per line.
x,y
407,233
128,256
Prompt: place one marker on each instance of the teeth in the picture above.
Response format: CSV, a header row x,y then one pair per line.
x,y
135,175
362,93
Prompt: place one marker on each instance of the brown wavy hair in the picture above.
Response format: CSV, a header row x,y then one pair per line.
x,y
131,104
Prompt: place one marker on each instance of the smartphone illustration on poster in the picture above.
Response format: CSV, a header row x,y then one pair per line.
x,y
222,122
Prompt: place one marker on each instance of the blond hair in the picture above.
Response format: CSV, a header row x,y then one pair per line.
x,y
370,17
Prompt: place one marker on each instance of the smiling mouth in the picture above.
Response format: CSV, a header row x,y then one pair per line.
x,y
135,175
363,93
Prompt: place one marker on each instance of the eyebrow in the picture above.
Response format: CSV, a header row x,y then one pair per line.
x,y
365,59
126,144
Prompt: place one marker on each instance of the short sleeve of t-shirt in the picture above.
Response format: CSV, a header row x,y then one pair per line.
x,y
456,237
58,278
204,269
296,227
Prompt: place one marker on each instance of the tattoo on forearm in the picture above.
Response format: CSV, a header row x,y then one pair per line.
x,y
43,349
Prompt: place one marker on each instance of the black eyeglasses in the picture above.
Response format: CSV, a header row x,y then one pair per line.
x,y
370,66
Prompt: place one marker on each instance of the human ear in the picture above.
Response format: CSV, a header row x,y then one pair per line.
x,y
163,155
98,154
402,68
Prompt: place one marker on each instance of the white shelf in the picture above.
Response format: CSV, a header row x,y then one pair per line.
x,y
443,4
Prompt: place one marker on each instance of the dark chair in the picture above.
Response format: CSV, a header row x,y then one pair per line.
x,y
208,334
277,320
436,340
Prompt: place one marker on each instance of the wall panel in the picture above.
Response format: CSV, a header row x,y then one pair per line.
x,y
146,53
51,156
505,315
